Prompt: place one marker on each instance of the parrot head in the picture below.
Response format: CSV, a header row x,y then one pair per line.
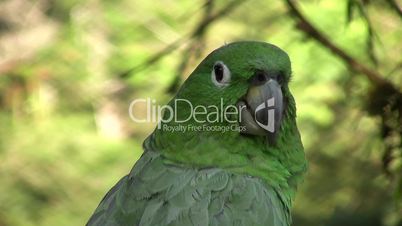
x,y
241,85
253,76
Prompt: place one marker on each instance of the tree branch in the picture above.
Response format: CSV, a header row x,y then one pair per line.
x,y
394,5
179,42
305,26
385,99
197,41
154,58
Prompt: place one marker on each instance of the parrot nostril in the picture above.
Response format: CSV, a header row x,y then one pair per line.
x,y
260,77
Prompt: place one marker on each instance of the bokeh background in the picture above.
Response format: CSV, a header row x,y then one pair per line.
x,y
69,69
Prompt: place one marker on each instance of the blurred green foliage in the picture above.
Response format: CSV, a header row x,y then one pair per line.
x,y
66,137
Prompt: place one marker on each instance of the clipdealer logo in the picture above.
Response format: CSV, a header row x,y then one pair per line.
x,y
202,115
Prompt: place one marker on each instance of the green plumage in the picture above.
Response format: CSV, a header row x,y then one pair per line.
x,y
155,193
210,177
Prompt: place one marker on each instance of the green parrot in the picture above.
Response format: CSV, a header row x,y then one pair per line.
x,y
238,162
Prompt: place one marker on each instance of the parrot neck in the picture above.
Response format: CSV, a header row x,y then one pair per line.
x,y
281,166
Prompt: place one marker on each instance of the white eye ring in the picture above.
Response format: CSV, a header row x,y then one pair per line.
x,y
220,74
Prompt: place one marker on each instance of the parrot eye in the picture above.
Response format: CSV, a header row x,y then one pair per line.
x,y
220,74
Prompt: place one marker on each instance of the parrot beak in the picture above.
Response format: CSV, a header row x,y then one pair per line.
x,y
261,109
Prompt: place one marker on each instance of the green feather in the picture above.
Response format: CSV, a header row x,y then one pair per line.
x,y
214,178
